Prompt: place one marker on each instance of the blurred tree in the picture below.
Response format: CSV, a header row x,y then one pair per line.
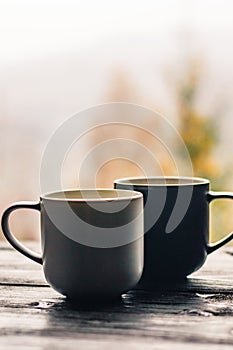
x,y
199,132
201,136
121,88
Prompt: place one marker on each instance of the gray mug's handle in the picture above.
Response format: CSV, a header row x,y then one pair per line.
x,y
11,238
212,195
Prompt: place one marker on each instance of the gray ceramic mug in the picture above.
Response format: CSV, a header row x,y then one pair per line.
x,y
175,248
92,241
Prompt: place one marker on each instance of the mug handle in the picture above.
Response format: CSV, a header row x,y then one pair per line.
x,y
211,196
11,238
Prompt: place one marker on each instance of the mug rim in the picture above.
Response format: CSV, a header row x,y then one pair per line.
x,y
187,181
126,195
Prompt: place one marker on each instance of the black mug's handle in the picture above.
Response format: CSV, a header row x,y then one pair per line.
x,y
11,238
212,195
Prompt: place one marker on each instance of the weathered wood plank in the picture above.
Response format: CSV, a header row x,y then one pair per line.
x,y
36,342
17,269
195,313
154,318
218,265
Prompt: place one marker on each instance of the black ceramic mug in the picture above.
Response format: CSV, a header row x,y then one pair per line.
x,y
176,219
91,240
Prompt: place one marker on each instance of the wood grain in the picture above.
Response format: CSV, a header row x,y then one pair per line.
x,y
196,314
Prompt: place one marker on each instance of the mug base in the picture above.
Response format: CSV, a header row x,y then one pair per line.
x,y
161,283
92,300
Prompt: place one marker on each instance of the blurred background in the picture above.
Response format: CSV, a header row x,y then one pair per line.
x,y
58,57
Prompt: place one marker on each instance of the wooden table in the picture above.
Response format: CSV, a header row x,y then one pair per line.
x,y
195,315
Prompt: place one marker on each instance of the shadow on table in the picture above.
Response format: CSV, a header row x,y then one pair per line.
x,y
139,310
153,296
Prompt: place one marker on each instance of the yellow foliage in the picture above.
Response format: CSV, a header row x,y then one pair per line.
x,y
206,165
198,131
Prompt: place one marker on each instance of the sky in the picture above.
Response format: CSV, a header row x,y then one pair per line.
x,y
57,57
34,27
